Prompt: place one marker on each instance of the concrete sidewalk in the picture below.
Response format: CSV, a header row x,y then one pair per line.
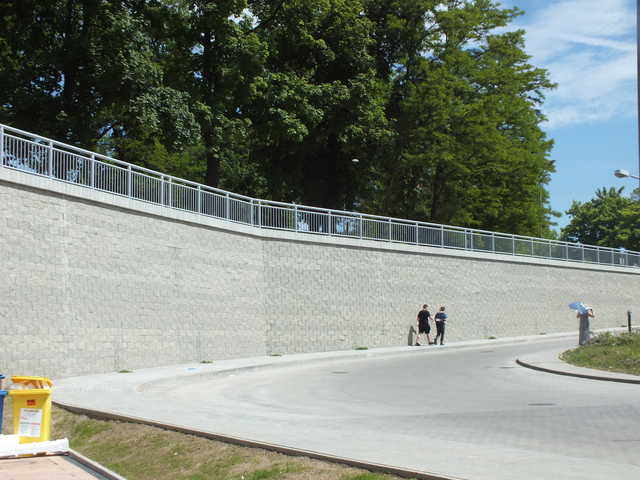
x,y
549,361
88,388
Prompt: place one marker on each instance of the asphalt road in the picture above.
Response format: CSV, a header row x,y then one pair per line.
x,y
468,413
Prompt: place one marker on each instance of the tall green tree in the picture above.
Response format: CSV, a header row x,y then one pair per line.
x,y
320,104
609,219
276,99
469,149
71,67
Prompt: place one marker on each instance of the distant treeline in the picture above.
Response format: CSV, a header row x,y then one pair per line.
x,y
274,99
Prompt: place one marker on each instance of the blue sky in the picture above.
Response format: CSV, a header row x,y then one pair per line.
x,y
589,48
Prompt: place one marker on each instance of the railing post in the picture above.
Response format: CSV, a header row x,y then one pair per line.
x,y
493,242
330,223
442,236
92,175
295,217
389,239
227,205
1,145
566,252
531,244
471,239
361,225
50,160
260,214
513,245
129,182
169,192
582,251
162,190
549,243
417,230
251,216
199,199
598,254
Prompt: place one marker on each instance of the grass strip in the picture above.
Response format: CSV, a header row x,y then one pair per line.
x,y
142,452
613,353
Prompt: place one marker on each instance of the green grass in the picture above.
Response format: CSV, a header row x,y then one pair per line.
x,y
125,371
366,476
361,348
142,452
614,353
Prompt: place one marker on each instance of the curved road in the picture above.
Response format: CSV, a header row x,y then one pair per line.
x,y
469,413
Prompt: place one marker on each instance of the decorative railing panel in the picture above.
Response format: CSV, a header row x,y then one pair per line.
x,y
36,155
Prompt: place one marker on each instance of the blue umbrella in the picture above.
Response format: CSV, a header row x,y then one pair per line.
x,y
579,306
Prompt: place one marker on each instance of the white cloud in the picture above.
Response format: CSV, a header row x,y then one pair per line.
x,y
589,48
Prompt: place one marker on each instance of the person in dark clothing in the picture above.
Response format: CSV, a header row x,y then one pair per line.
x,y
585,330
440,319
423,324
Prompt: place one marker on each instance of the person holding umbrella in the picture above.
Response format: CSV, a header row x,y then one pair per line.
x,y
584,313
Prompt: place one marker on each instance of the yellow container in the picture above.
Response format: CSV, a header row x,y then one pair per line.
x,y
31,408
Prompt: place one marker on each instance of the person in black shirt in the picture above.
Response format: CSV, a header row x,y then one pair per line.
x,y
423,324
440,319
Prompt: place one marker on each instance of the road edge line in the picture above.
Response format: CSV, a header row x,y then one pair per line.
x,y
578,375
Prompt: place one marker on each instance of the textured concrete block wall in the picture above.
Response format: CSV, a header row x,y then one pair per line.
x,y
340,297
89,288
108,283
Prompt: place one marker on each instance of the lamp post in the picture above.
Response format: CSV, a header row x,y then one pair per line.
x,y
625,174
637,84
355,162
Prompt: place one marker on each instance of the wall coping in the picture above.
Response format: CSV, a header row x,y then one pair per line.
x,y
86,194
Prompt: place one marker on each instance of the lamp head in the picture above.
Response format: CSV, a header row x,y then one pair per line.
x,y
621,173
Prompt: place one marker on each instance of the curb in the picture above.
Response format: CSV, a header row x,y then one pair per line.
x,y
579,375
373,467
93,466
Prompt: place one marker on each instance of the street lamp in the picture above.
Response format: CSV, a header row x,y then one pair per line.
x,y
624,174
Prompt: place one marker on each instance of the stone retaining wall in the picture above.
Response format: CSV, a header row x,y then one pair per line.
x,y
93,282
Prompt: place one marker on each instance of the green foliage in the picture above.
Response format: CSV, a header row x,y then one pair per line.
x,y
469,149
71,68
275,99
609,219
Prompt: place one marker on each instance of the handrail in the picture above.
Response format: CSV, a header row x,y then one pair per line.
x,y
25,151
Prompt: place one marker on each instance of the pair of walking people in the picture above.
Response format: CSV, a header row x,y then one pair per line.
x,y
424,328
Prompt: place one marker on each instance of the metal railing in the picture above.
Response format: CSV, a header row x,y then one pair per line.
x,y
27,152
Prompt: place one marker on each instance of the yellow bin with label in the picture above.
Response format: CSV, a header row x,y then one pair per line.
x,y
31,408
